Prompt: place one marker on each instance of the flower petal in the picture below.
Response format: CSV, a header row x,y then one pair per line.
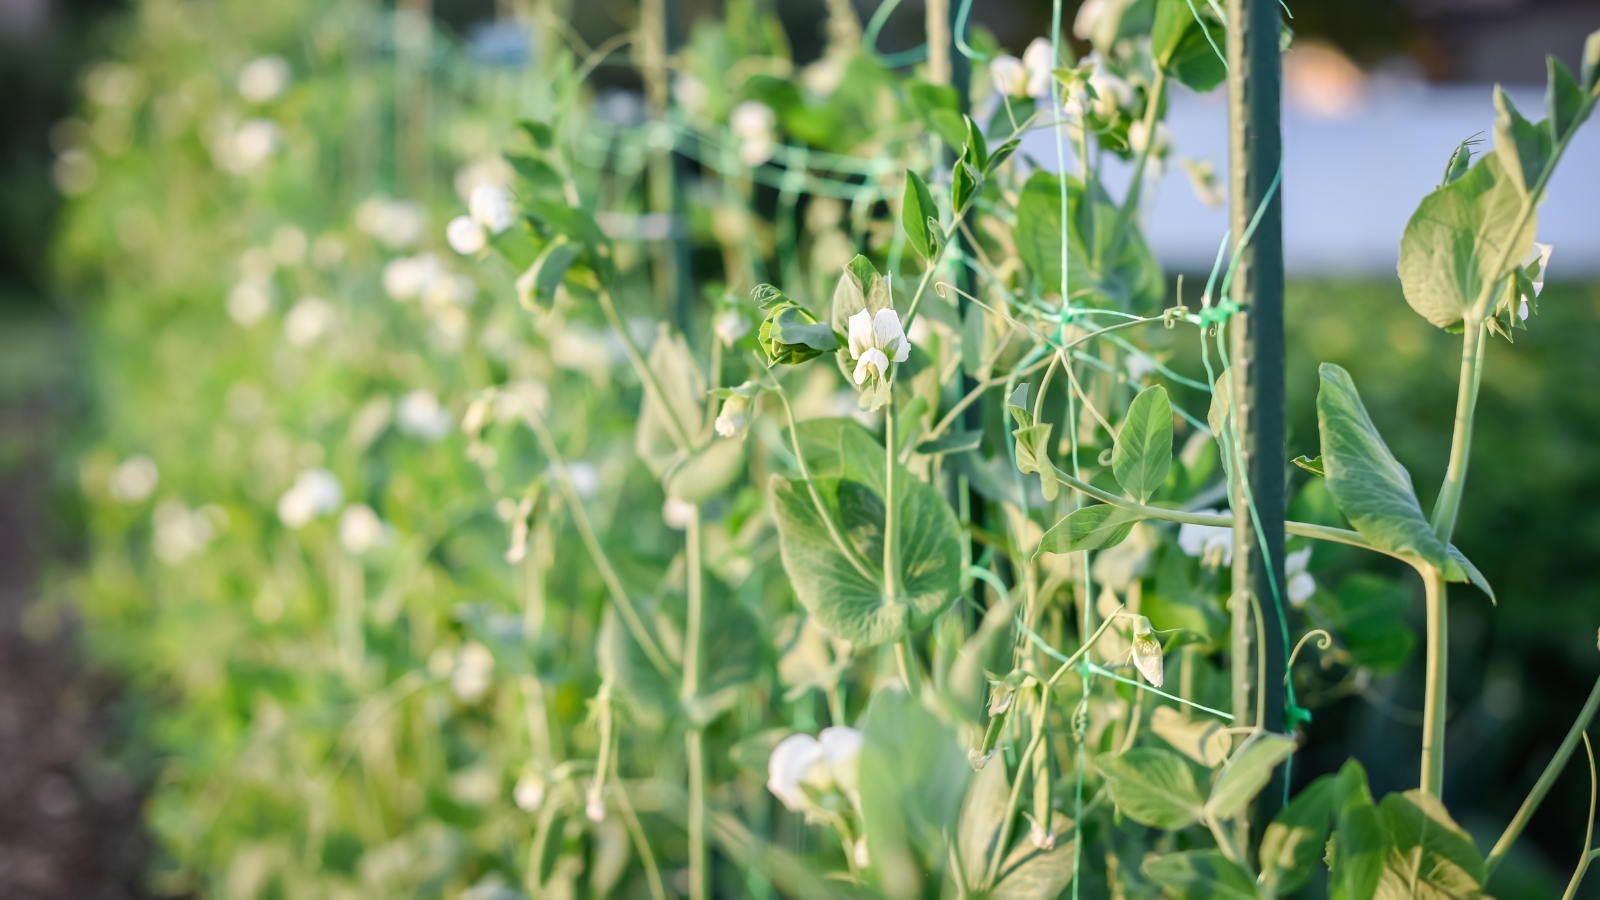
x,y
860,335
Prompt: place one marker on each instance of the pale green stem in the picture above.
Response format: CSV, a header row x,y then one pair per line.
x,y
652,873
1588,832
1130,204
693,740
891,591
619,596
1448,505
1438,663
1009,818
927,276
1546,780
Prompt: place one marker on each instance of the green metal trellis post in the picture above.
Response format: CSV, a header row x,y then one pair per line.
x,y
1255,153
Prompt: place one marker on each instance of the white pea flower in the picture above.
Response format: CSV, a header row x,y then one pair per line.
x,y
1088,17
875,342
407,277
360,529
473,670
419,415
841,750
135,479
1139,138
732,325
824,76
752,122
677,513
734,417
249,301
584,477
1111,92
1147,651
308,321
250,145
466,236
316,492
1301,585
1009,75
1039,60
490,207
689,93
529,792
790,766
1211,543
263,78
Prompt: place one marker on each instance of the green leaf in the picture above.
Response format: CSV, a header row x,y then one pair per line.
x,y
1591,62
951,442
847,466
1205,741
1195,63
1152,786
1524,148
1001,154
1029,872
1314,466
860,287
707,473
538,132
1464,570
1132,278
1090,528
964,181
915,211
1173,19
675,370
1356,853
1143,453
1370,486
1427,847
988,801
977,147
1294,840
1033,450
537,286
1246,773
1458,233
1202,874
1017,406
1564,104
939,106
914,774
790,334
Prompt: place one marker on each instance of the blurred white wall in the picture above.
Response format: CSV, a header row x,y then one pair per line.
x,y
1357,161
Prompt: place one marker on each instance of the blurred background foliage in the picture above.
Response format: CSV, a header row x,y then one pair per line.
x,y
1532,519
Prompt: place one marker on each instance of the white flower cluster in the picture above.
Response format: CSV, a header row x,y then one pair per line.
x,y
134,480
263,79
1213,545
803,769
316,492
488,212
420,415
1030,76
752,122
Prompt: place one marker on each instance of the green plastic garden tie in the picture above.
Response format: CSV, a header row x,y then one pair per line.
x,y
961,34
870,40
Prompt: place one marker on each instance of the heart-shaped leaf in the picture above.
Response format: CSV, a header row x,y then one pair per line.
x,y
1143,453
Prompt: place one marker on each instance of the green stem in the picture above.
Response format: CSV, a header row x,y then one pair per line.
x,y
927,276
619,596
1448,505
1130,204
1009,819
1588,832
1435,695
891,592
693,740
1546,780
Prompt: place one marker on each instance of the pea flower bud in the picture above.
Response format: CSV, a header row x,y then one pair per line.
x,y
1147,651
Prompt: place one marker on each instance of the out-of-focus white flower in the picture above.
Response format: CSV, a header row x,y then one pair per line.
x,y
307,321
135,479
327,252
585,478
248,301
824,76
465,235
243,149
316,492
752,122
181,532
74,171
450,289
732,325
1138,367
1009,75
677,513
689,93
1040,63
1147,651
829,762
1211,543
263,78
875,342
406,277
1088,17
1111,92
473,672
789,768
393,223
490,207
734,417
360,529
529,792
520,401
1138,138
419,415
113,84
1301,585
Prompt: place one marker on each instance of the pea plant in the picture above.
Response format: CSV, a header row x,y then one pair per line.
x,y
843,503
